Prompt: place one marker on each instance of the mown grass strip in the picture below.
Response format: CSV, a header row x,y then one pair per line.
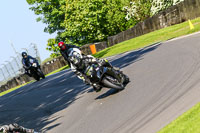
x,y
150,38
58,70
15,88
189,122
10,90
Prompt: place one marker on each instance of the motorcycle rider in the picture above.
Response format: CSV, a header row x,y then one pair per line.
x,y
14,128
79,64
26,64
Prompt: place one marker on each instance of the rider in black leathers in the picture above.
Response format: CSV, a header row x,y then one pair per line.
x,y
14,128
26,64
79,67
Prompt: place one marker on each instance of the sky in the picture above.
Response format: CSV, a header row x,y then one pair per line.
x,y
18,25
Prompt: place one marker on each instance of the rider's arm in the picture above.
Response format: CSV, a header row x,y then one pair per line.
x,y
24,64
79,74
65,57
90,59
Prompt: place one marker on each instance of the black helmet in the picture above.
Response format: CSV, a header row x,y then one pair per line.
x,y
24,54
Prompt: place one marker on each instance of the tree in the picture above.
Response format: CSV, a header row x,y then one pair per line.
x,y
138,9
142,9
81,21
52,46
89,21
160,5
52,13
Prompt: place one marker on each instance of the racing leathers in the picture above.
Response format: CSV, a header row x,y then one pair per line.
x,y
14,128
26,64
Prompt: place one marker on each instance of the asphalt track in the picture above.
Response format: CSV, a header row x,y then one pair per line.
x,y
164,84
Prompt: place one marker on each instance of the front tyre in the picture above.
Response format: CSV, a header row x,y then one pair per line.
x,y
36,77
41,74
107,82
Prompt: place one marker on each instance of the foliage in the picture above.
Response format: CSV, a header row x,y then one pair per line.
x,y
52,46
138,9
81,22
160,5
90,21
52,13
142,9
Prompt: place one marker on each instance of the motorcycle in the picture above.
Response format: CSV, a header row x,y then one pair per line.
x,y
15,128
35,70
106,77
101,75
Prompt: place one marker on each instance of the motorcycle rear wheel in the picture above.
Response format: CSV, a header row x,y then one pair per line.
x,y
110,84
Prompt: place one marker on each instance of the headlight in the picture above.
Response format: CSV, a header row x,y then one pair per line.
x,y
34,65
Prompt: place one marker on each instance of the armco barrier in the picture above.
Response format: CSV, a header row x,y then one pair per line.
x,y
188,9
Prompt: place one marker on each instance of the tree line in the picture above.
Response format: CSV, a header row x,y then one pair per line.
x,y
81,22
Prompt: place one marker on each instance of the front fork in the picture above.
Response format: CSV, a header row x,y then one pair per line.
x,y
116,72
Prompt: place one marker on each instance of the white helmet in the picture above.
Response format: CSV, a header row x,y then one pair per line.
x,y
3,129
75,56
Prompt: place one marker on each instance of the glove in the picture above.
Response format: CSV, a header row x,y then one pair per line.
x,y
85,79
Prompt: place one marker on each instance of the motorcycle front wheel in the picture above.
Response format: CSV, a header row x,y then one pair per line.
x,y
36,77
41,74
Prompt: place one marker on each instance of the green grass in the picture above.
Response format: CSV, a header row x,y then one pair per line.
x,y
10,90
150,38
58,70
46,60
189,122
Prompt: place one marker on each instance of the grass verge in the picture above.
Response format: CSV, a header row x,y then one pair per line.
x,y
10,90
58,70
187,123
15,88
150,38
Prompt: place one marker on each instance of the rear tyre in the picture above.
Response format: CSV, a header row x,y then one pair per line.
x,y
107,83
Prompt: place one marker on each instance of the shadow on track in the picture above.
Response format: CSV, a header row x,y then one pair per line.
x,y
126,60
108,93
34,106
131,57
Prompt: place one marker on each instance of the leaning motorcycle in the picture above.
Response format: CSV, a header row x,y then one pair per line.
x,y
106,77
35,70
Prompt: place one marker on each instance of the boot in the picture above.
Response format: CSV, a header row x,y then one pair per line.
x,y
97,87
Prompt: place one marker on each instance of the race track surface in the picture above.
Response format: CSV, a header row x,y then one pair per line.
x,y
164,84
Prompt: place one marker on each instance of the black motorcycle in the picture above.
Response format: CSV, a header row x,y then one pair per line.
x,y
35,70
106,76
